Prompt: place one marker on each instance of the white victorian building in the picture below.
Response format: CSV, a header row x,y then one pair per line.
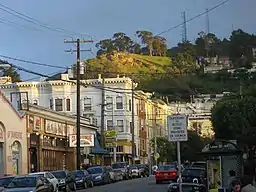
x,y
60,95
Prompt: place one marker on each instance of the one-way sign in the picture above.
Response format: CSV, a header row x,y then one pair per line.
x,y
177,128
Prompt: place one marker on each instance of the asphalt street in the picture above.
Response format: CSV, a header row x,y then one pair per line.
x,y
134,185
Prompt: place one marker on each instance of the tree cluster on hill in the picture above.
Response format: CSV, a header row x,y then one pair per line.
x,y
11,72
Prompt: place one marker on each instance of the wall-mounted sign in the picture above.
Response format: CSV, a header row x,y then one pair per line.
x,y
37,125
14,135
85,140
55,128
71,129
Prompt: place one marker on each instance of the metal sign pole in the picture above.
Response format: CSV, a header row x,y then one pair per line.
x,y
179,166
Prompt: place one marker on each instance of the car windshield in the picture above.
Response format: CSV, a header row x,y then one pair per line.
x,y
193,172
140,166
200,165
59,174
22,182
118,165
166,168
78,173
5,181
95,170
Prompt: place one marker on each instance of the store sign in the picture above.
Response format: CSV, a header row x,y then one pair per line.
x,y
85,140
55,128
37,125
110,138
15,135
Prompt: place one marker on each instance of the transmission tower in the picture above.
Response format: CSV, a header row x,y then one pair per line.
x,y
184,27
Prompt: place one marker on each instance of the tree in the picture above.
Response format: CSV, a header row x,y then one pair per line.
x,y
235,119
11,72
165,149
147,39
105,46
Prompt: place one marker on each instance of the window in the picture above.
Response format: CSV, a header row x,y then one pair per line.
x,y
109,125
58,105
130,105
120,125
87,104
109,103
119,102
68,104
119,149
51,104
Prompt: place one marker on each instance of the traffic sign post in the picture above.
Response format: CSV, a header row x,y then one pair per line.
x,y
177,132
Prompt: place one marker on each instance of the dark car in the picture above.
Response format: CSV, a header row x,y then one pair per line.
x,y
100,175
121,166
199,164
66,180
29,183
4,181
186,187
194,175
83,179
144,170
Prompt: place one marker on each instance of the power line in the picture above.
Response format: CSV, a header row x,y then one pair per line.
x,y
37,22
193,18
32,62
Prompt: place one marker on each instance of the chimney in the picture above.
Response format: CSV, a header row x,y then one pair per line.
x,y
99,76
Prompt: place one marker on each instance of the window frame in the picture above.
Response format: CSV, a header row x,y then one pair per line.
x,y
119,105
58,105
118,126
88,106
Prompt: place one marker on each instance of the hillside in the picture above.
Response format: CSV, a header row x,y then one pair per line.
x,y
128,63
161,75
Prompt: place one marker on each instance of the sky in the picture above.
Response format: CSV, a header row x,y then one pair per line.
x,y
101,18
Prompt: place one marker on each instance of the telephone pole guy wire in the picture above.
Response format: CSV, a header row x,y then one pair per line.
x,y
78,112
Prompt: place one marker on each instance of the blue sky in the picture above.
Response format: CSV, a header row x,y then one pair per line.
x,y
101,18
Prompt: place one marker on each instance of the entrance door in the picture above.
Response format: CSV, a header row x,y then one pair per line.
x,y
1,158
33,160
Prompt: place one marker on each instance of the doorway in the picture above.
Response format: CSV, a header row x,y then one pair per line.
x,y
33,160
16,158
1,158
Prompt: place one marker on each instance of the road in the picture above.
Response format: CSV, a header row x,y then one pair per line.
x,y
134,185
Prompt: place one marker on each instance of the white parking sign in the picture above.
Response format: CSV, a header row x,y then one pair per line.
x,y
177,128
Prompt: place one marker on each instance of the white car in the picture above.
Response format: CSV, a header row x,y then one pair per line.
x,y
51,178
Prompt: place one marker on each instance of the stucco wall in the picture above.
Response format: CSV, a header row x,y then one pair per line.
x,y
12,128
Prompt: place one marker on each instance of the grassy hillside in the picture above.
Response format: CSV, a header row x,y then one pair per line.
x,y
128,63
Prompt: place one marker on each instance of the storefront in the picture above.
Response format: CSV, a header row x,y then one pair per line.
x,y
49,132
13,139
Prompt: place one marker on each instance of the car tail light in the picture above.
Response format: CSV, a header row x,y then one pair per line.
x,y
173,173
157,174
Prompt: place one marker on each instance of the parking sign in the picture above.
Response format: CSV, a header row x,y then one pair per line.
x,y
177,128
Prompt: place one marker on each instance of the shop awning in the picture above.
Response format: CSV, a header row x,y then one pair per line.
x,y
97,149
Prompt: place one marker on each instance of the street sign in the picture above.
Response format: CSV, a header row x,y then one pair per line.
x,y
110,139
177,128
156,156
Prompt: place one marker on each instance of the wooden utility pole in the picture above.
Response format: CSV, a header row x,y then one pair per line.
x,y
132,127
78,108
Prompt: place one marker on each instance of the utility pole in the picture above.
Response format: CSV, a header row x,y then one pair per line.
x,y
155,138
102,113
133,140
78,51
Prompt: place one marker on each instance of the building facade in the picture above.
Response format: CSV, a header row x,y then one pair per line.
x,y
13,139
51,139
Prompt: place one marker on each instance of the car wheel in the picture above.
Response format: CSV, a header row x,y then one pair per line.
x,y
157,182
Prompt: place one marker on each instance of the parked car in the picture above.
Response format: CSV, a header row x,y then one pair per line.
x,y
51,178
166,173
100,175
134,171
83,179
194,175
144,170
115,175
189,187
66,180
199,164
121,166
29,183
4,181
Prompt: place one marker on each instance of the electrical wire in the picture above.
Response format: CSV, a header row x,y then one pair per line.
x,y
37,22
193,18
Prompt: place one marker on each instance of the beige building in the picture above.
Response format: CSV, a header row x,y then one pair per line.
x,y
13,139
